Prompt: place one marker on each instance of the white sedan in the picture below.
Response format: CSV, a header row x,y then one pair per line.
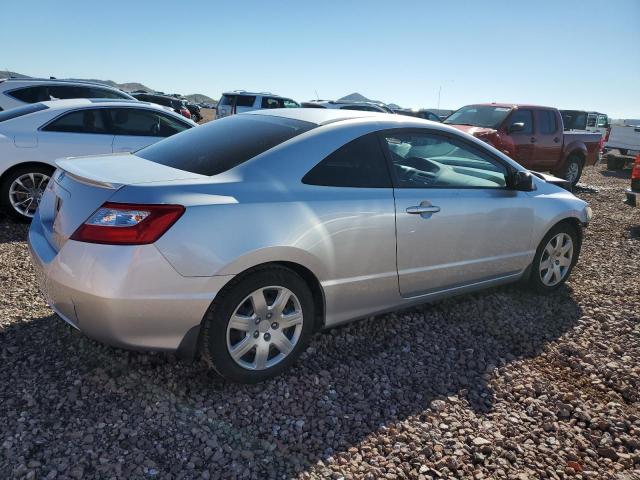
x,y
33,136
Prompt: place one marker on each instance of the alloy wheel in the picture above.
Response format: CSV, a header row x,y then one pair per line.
x,y
26,191
556,259
573,169
264,328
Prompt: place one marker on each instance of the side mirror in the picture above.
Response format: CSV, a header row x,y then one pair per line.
x,y
522,181
516,127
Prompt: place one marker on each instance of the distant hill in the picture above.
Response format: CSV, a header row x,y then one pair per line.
x,y
357,97
127,86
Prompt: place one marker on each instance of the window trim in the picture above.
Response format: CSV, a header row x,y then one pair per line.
x,y
429,131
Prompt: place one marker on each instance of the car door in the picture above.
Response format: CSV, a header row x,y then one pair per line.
x,y
135,128
74,133
457,223
548,145
523,137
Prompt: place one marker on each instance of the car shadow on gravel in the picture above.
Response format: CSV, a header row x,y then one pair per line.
x,y
11,231
354,381
624,174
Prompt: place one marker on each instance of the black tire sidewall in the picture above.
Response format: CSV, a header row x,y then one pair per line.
x,y
215,338
535,282
5,185
578,161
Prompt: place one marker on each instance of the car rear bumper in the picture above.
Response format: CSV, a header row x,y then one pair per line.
x,y
125,296
633,198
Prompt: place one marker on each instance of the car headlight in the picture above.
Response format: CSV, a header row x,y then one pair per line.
x,y
588,213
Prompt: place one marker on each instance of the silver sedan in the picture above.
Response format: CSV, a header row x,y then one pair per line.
x,y
238,239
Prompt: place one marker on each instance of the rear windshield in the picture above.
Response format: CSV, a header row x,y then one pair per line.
x,y
20,111
223,144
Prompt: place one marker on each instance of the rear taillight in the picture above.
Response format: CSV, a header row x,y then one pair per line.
x,y
185,113
635,172
128,224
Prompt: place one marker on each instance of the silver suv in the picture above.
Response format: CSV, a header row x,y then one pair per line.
x,y
15,92
240,101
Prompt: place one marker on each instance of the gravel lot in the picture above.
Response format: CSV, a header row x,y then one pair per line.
x,y
501,384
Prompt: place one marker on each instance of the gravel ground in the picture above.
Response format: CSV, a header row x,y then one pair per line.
x,y
500,384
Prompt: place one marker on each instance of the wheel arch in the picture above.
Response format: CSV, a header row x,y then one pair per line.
x,y
18,166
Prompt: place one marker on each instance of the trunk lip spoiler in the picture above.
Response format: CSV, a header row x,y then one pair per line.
x,y
66,169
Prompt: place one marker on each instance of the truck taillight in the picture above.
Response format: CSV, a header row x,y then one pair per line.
x,y
635,173
128,224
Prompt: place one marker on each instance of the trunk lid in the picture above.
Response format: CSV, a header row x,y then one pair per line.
x,y
81,185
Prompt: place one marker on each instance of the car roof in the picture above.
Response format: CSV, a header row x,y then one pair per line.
x,y
508,105
319,116
244,92
84,102
58,80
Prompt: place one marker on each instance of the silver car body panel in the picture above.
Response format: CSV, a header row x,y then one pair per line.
x,y
260,212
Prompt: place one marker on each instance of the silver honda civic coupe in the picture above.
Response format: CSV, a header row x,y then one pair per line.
x,y
238,239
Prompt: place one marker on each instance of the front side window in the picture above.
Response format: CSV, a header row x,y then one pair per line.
x,y
219,146
80,121
288,103
526,118
479,116
142,123
429,160
591,120
269,102
359,163
547,122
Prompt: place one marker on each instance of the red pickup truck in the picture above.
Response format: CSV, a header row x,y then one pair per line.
x,y
533,136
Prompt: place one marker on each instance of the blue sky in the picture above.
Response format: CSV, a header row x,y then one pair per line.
x,y
569,54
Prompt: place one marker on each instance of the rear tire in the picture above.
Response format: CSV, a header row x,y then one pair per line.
x,y
572,169
258,325
555,258
21,190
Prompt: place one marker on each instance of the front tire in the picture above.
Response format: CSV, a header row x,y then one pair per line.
x,y
614,163
258,325
555,258
21,190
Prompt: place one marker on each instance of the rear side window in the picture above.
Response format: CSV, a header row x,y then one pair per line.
x,y
219,146
591,120
603,121
359,163
30,94
547,123
288,103
227,100
80,121
20,111
97,92
245,101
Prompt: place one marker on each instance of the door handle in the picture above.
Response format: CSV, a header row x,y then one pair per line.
x,y
419,209
533,140
556,139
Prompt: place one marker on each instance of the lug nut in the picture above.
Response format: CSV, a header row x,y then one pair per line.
x,y
274,325
256,334
269,315
267,337
258,320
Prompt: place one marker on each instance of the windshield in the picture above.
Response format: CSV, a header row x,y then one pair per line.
x,y
479,116
224,144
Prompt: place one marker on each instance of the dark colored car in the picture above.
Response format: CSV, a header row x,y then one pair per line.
x,y
194,110
426,114
532,135
177,105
